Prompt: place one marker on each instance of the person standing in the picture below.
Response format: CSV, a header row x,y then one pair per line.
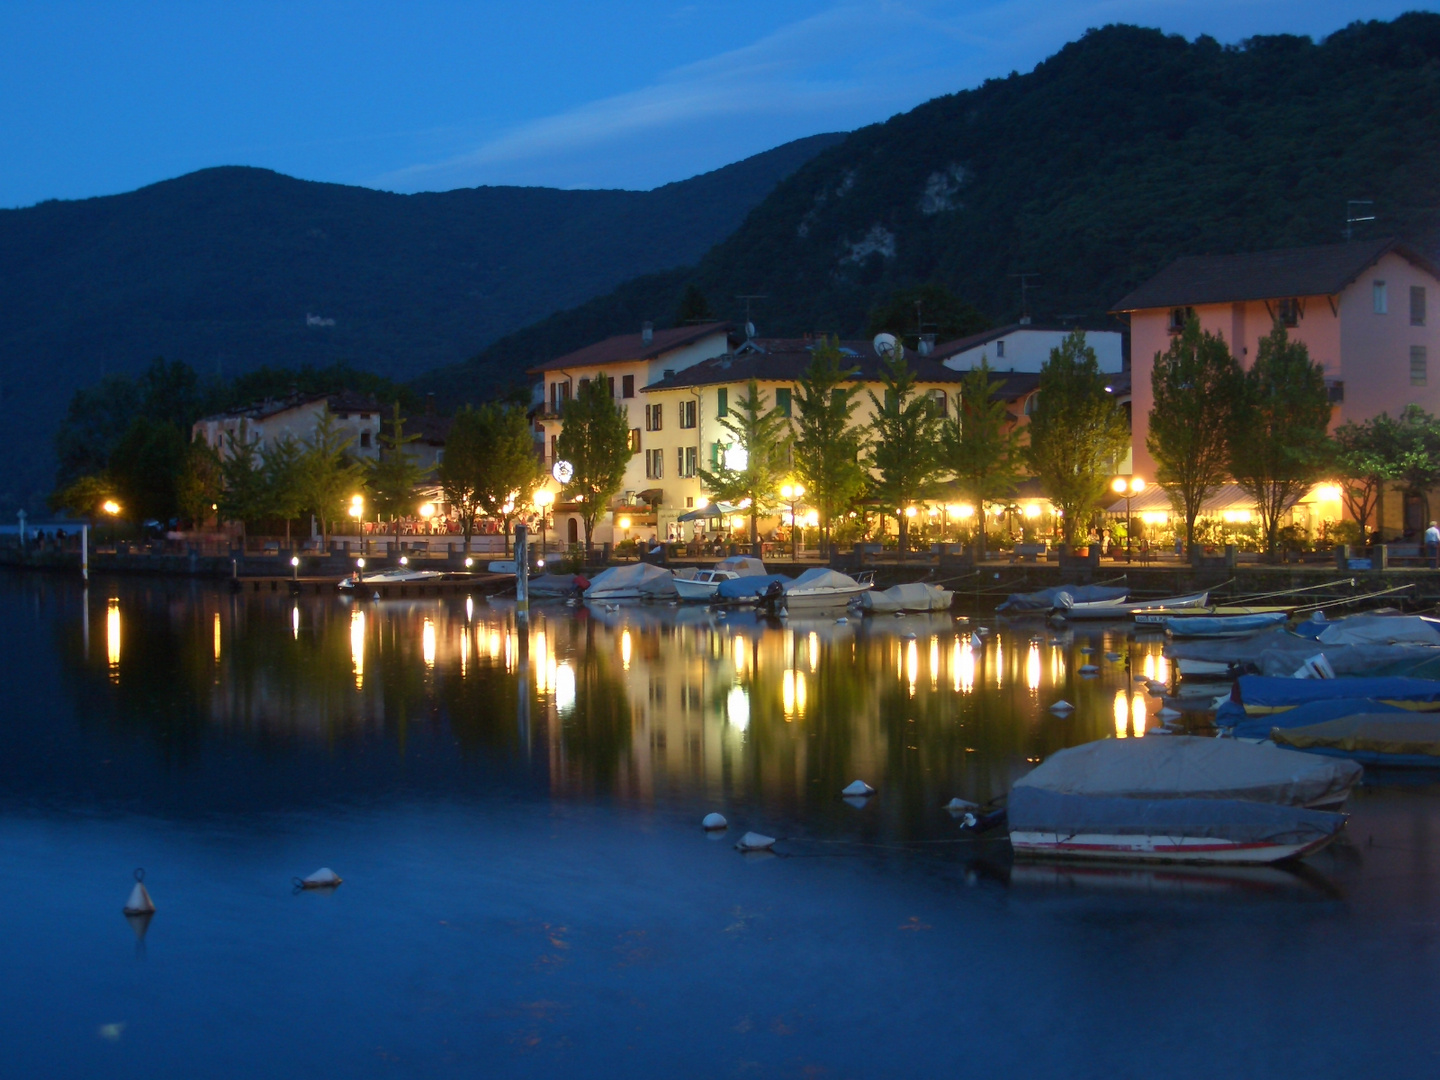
x,y
1432,546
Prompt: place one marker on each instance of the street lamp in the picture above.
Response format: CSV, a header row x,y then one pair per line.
x,y
294,568
792,494
111,507
543,500
1129,488
357,511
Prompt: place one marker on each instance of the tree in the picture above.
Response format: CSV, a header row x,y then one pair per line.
x,y
940,312
243,494
83,497
392,476
327,475
200,482
1078,432
510,470
595,440
145,467
1365,458
1196,385
282,462
976,448
905,435
694,308
461,469
1278,445
752,465
1415,454
827,447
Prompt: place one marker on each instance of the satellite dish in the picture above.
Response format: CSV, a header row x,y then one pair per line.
x,y
885,344
749,330
563,472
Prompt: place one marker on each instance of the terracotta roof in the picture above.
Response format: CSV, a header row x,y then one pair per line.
x,y
1325,270
785,360
631,347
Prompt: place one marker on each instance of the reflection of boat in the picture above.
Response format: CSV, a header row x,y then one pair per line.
x,y
1289,880
397,576
634,581
701,584
915,596
819,587
1045,824
1222,625
1189,767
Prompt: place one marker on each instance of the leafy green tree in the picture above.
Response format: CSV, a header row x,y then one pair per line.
x,y
905,435
200,483
1078,432
941,313
94,424
393,476
827,447
1278,443
694,308
145,468
595,440
244,497
462,468
1415,454
282,462
750,470
512,471
327,475
1197,383
1365,460
83,497
976,447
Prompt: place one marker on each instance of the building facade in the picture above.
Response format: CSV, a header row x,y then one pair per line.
x,y
265,423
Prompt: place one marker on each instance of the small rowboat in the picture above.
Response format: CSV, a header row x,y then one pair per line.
x,y
1213,626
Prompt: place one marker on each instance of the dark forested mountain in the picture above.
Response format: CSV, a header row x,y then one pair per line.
x,y
231,268
1124,150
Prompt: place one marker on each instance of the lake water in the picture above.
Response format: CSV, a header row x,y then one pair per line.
x,y
528,892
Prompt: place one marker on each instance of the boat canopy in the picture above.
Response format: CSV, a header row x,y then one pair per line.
x,y
1370,734
1260,694
742,565
1314,712
820,577
914,596
1279,652
1062,596
1381,630
742,588
638,579
1235,821
1187,766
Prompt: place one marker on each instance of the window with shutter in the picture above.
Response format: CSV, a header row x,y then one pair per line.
x,y
722,401
1419,366
782,400
1417,305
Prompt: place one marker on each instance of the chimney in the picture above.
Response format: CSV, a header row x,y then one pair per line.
x,y
1024,320
430,403
927,344
647,333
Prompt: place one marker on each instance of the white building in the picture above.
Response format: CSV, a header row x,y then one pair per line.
x,y
1025,347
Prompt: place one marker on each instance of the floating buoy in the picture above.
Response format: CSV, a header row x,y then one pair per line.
x,y
324,878
754,841
139,902
858,787
1062,706
908,637
1168,713
841,621
983,630
375,596
1086,650
1142,678
959,806
1089,669
1156,689
714,821
1112,656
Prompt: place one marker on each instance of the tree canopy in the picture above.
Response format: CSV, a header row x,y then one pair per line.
x,y
904,442
827,446
595,440
977,447
755,460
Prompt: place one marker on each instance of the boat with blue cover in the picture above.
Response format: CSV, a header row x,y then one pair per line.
x,y
1211,626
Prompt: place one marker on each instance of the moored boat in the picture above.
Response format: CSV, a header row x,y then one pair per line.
x,y
1384,739
820,588
914,596
634,581
1194,626
702,584
398,575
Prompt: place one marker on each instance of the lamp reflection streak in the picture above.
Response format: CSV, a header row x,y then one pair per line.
x,y
112,637
357,646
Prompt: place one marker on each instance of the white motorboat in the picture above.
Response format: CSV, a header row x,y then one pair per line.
x,y
1118,608
702,584
822,588
398,575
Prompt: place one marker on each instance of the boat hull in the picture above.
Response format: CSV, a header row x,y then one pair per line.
x,y
805,601
1160,849
695,590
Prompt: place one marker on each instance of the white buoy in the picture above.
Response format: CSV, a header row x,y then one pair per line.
x,y
324,878
714,821
1168,713
1089,669
754,841
959,806
858,787
1156,689
1062,706
908,636
1112,656
1086,650
841,621
139,902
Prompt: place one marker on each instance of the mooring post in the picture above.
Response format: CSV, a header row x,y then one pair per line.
x,y
522,574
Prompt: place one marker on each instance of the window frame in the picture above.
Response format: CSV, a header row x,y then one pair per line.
x,y
627,386
1417,305
1379,297
689,413
1418,353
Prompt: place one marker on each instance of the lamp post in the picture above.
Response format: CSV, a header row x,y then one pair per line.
x,y
1129,488
792,494
357,511
294,568
543,500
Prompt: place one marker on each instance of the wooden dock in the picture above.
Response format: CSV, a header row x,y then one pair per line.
x,y
481,584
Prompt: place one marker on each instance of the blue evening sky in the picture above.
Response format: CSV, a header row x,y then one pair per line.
x,y
100,97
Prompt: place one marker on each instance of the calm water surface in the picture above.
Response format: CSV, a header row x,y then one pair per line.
x,y
527,892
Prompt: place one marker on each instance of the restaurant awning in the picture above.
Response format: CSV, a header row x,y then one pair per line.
x,y
709,513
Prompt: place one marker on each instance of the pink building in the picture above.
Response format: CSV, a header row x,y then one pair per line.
x,y
1366,310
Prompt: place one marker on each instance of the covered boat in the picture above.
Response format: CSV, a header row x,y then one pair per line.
x,y
914,596
1046,824
747,588
633,581
1255,695
551,585
820,587
1187,766
1380,630
1314,712
1196,626
1397,739
1059,597
701,584
1279,652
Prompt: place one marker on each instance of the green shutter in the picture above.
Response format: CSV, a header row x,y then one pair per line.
x,y
782,400
722,401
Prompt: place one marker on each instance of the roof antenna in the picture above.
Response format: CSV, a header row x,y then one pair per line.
x,y
750,326
1025,288
1352,218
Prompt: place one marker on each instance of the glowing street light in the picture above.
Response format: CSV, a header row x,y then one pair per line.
x,y
294,567
1129,488
427,510
111,507
792,494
